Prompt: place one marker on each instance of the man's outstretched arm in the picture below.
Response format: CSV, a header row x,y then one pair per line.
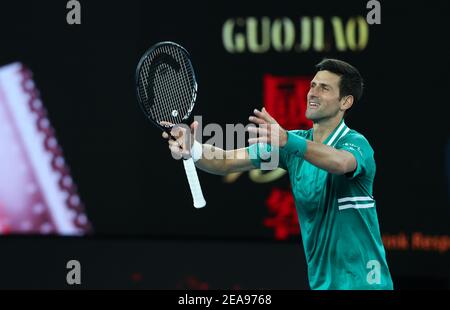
x,y
218,161
213,159
321,155
330,159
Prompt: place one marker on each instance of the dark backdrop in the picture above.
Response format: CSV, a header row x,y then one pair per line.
x,y
125,175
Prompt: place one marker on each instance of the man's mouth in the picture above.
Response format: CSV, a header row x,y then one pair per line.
x,y
313,105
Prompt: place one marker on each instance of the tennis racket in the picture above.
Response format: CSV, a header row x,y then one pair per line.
x,y
167,90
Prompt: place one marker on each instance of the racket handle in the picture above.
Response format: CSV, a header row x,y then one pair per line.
x,y
194,184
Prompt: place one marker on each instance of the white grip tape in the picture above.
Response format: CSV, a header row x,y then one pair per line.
x,y
194,184
196,151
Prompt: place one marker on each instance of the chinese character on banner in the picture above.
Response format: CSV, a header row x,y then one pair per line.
x,y
283,216
37,192
285,100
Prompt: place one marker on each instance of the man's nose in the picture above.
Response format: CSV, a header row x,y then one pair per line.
x,y
311,95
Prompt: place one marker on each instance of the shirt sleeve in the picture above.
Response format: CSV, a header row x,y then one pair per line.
x,y
360,148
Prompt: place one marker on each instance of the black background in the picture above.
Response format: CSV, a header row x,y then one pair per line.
x,y
125,175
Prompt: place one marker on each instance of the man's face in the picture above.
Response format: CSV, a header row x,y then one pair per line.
x,y
323,96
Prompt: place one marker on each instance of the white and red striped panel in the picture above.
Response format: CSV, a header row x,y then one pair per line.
x,y
37,193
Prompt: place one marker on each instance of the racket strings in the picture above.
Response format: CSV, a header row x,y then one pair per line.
x,y
188,87
162,88
179,87
173,90
158,109
170,94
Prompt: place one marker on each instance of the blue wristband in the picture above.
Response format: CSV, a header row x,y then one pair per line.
x,y
295,145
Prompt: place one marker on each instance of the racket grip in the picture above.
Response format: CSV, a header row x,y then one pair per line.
x,y
194,183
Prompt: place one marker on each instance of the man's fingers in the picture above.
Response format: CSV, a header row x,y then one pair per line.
x,y
258,140
262,115
174,143
175,149
166,124
257,120
258,130
194,126
268,116
176,155
177,132
176,146
185,154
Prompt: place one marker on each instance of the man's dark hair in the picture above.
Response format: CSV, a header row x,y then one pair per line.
x,y
351,81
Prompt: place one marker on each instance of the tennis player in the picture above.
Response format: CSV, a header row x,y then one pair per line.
x,y
331,169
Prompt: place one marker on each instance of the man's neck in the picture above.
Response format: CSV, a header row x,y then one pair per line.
x,y
324,127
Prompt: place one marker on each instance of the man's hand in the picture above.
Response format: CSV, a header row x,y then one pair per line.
x,y
269,131
184,139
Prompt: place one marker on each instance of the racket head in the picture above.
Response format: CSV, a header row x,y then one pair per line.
x,y
166,85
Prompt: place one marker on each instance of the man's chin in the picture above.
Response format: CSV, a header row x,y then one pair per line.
x,y
310,116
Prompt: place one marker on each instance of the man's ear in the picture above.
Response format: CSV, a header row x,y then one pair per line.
x,y
347,102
